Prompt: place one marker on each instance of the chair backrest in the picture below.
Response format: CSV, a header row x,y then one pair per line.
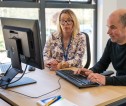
x,y
88,51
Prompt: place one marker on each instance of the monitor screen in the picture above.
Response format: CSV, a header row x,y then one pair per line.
x,y
23,44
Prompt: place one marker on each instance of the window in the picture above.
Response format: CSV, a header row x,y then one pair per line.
x,y
84,1
47,10
28,13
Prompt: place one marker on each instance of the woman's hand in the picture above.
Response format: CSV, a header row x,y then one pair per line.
x,y
64,64
52,64
60,65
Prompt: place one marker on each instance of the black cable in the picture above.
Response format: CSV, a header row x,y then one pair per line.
x,y
17,79
42,94
20,76
28,95
29,72
3,64
7,68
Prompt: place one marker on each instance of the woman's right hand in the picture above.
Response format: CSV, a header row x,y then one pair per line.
x,y
52,64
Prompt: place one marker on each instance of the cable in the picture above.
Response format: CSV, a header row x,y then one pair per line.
x,y
20,76
17,79
42,94
5,66
28,95
29,72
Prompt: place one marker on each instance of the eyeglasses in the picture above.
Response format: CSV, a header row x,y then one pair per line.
x,y
69,22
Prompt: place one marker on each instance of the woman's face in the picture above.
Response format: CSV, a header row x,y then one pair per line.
x,y
66,23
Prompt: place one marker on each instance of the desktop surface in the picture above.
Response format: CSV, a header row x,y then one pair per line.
x,y
48,81
3,103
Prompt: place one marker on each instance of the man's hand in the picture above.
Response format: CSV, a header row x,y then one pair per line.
x,y
97,78
93,77
83,71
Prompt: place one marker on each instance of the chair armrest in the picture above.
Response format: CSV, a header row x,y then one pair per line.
x,y
107,73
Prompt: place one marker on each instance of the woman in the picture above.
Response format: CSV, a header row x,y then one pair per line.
x,y
66,47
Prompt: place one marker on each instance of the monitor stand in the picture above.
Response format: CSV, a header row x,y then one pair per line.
x,y
22,81
9,75
14,50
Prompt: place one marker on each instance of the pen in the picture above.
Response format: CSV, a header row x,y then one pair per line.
x,y
53,100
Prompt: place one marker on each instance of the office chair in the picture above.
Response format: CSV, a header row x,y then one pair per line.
x,y
88,50
106,73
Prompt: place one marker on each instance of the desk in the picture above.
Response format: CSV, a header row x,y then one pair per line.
x,y
48,81
3,103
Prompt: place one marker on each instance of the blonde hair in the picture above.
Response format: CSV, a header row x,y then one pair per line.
x,y
76,27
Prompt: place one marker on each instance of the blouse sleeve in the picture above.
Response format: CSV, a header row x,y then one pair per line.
x,y
47,49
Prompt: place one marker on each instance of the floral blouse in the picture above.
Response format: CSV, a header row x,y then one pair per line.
x,y
53,49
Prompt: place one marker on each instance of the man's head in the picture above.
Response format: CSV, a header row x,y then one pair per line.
x,y
117,26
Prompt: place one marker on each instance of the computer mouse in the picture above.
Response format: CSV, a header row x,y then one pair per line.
x,y
31,68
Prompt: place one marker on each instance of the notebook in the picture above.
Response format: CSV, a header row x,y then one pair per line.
x,y
60,101
63,102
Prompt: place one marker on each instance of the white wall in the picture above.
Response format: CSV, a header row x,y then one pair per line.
x,y
105,7
121,4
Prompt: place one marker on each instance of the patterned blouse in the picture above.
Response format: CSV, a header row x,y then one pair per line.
x,y
53,49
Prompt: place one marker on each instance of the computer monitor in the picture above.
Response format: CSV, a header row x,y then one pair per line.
x,y
23,44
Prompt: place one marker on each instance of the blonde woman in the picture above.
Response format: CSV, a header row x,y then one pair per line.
x,y
65,48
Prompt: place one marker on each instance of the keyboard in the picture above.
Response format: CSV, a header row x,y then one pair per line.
x,y
78,80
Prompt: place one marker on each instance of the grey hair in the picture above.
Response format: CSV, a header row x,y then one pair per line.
x,y
123,19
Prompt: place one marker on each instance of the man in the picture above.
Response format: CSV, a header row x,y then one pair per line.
x,y
115,52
